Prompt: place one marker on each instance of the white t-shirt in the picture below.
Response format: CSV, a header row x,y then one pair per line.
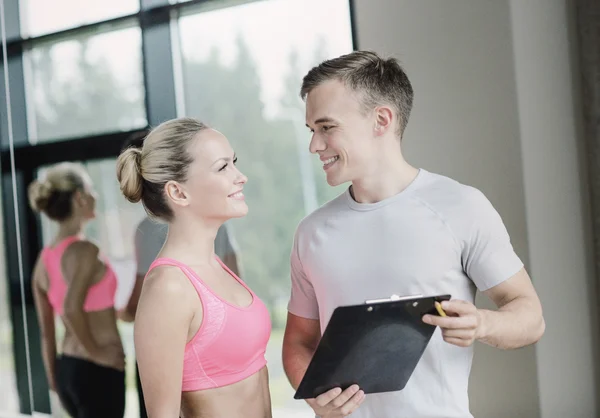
x,y
150,237
435,237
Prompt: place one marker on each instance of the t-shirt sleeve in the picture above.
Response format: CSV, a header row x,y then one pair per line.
x,y
149,239
224,242
303,302
488,256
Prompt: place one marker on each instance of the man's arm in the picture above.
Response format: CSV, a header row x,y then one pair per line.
x,y
230,260
299,344
518,322
127,314
147,245
490,261
302,335
226,248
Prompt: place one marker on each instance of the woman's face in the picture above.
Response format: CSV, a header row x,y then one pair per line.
x,y
86,198
214,185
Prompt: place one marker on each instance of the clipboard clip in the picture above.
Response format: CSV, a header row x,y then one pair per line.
x,y
393,298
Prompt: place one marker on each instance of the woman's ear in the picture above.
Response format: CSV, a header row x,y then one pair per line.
x,y
78,198
176,193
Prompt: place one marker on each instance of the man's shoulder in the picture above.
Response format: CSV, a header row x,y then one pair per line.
x,y
319,216
446,195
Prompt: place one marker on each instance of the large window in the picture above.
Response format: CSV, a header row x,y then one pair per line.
x,y
85,85
242,71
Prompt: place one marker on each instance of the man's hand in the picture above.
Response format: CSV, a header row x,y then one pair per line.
x,y
463,324
335,403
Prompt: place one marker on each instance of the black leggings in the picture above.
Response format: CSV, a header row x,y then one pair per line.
x,y
143,413
87,390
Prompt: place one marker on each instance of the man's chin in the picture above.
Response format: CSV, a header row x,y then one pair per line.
x,y
336,181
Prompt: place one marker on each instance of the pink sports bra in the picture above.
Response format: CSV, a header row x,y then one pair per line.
x,y
100,296
231,342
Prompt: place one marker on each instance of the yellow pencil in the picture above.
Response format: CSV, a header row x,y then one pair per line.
x,y
438,306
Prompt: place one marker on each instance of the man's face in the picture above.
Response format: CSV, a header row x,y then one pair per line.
x,y
343,136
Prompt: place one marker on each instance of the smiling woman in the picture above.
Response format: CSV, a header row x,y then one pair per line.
x,y
192,308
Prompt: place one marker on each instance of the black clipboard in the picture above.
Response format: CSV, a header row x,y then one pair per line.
x,y
376,345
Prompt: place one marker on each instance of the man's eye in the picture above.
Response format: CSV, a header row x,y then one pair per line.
x,y
326,128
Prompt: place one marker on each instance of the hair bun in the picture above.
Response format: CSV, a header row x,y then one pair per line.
x,y
129,174
39,195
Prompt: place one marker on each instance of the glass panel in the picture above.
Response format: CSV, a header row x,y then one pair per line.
x,y
242,71
113,230
8,384
39,17
86,85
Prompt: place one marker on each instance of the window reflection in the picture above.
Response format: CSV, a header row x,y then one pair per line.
x,y
113,231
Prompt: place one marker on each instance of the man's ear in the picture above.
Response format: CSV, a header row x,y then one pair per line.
x,y
384,119
176,193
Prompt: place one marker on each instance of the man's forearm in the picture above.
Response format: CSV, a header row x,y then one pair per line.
x,y
517,324
296,359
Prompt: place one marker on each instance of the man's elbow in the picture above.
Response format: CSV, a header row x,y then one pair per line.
x,y
539,329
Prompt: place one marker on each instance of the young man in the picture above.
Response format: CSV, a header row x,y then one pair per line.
x,y
397,230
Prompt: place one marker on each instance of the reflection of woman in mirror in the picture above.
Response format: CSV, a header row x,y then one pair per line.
x,y
71,278
200,332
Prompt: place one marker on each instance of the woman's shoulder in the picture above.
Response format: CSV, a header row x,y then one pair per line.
x,y
82,249
167,281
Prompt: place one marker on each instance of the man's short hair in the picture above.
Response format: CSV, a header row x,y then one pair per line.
x,y
378,81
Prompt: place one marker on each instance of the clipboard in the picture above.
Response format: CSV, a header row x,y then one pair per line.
x,y
376,345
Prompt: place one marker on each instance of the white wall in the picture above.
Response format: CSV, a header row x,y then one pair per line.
x,y
478,118
556,216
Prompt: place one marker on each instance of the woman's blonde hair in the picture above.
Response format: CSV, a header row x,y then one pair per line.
x,y
164,156
53,195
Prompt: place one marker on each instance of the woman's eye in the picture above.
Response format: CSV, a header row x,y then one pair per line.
x,y
223,168
235,160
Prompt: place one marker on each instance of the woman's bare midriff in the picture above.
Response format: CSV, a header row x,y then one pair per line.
x,y
249,398
103,326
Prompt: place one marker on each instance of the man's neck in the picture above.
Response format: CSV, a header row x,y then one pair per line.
x,y
387,179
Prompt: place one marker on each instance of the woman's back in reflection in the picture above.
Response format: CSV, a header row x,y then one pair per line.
x,y
73,280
